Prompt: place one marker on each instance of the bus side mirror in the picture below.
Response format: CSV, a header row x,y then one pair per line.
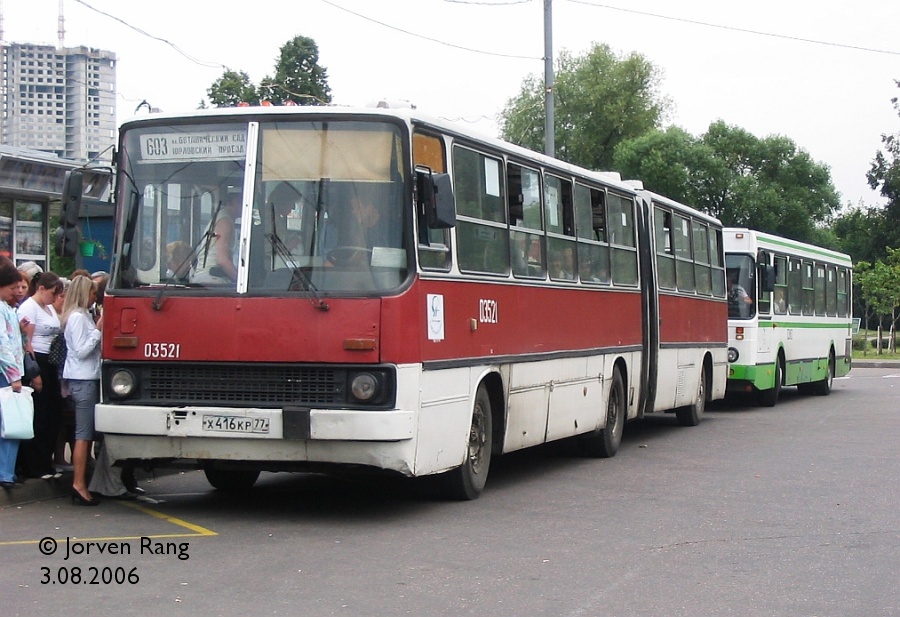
x,y
67,232
66,241
440,206
73,189
767,278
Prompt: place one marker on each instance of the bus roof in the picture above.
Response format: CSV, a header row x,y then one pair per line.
x,y
410,116
759,239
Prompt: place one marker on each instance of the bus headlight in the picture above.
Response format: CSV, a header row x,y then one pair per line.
x,y
733,354
122,383
364,387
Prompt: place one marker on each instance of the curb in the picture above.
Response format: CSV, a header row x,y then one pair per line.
x,y
36,489
876,364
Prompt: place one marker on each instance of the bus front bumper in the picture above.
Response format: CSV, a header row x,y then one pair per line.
x,y
256,423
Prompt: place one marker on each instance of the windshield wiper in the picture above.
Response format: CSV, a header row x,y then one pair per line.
x,y
282,251
195,250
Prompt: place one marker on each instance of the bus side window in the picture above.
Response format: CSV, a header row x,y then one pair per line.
x,y
560,228
795,287
781,285
701,257
665,258
831,292
434,253
526,223
590,227
684,267
764,299
621,235
481,234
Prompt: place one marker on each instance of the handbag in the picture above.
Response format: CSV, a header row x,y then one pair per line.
x,y
16,413
32,368
57,354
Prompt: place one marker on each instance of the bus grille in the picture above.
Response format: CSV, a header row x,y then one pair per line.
x,y
244,385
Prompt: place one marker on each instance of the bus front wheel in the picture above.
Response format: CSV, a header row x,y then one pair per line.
x,y
467,481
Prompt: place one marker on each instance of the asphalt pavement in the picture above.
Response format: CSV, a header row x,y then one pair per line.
x,y
37,489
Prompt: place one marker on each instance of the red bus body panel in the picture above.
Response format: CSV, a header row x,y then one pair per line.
x,y
522,320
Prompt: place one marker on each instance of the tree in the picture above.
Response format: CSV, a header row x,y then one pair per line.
x,y
767,184
298,76
600,100
232,89
879,285
863,232
298,80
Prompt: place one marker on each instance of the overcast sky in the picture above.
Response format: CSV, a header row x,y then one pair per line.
x,y
749,64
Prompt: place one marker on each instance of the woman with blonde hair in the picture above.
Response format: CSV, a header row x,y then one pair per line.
x,y
82,373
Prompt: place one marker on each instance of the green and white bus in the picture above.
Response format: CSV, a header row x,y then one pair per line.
x,y
789,314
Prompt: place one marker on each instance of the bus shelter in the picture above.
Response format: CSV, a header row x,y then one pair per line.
x,y
31,185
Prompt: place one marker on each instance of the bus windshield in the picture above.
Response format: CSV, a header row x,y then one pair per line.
x,y
285,205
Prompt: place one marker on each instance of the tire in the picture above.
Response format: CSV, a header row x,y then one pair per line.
x,y
231,480
690,415
467,481
768,398
823,388
604,442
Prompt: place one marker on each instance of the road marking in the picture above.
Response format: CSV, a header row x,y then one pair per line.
x,y
197,530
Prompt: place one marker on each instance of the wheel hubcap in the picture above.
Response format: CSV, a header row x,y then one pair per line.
x,y
477,439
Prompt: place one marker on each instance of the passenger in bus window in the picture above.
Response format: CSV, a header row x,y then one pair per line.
x,y
178,264
216,264
739,301
780,303
359,234
562,264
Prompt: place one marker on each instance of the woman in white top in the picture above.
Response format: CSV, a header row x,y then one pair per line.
x,y
82,373
41,325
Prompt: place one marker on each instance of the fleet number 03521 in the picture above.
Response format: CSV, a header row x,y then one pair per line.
x,y
162,350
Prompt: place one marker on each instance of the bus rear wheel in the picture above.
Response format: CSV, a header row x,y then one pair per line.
x,y
467,481
823,388
604,442
231,480
690,415
768,398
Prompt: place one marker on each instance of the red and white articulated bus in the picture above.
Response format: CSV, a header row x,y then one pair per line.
x,y
390,291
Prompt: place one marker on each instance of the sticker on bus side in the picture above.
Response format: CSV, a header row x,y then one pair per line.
x,y
435,317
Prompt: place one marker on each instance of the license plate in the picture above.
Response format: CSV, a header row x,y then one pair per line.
x,y
233,424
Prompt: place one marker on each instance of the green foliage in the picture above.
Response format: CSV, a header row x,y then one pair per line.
x,y
231,89
298,76
879,284
767,184
879,287
863,232
866,232
601,99
298,80
884,173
